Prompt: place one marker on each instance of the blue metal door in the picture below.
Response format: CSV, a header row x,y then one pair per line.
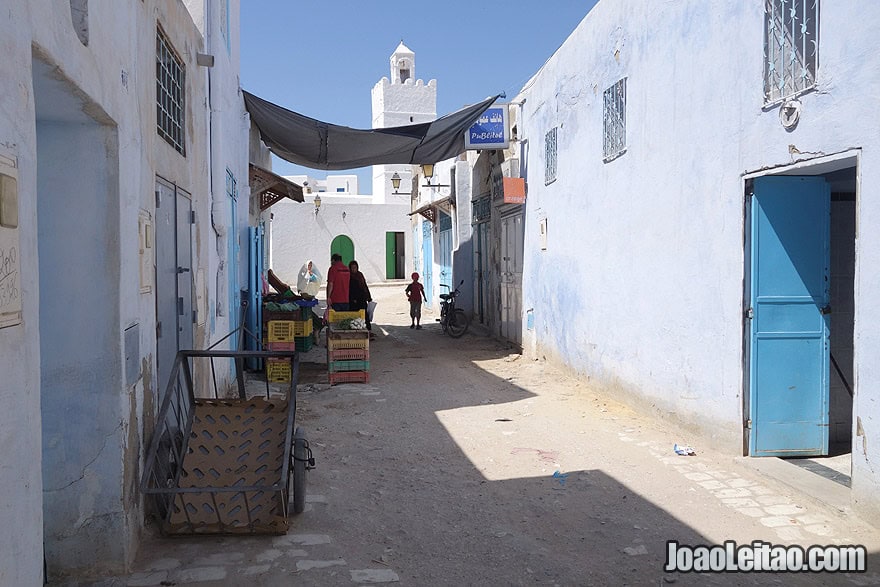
x,y
445,245
428,261
789,316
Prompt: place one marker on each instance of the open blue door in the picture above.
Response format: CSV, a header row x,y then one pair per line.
x,y
789,316
444,243
428,257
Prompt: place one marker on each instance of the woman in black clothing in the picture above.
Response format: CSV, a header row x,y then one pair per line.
x,y
359,293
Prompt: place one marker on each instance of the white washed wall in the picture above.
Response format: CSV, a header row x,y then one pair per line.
x,y
297,234
641,285
94,514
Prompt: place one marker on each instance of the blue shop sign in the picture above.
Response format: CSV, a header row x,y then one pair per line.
x,y
490,131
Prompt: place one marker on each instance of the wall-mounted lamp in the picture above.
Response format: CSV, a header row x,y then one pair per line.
x,y
343,214
317,204
395,183
428,172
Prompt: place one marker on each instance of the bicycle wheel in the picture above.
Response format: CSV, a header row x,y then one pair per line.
x,y
457,323
300,460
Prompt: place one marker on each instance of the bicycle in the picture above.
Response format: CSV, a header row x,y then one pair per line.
x,y
453,321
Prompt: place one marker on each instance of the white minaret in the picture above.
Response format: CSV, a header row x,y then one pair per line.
x,y
401,101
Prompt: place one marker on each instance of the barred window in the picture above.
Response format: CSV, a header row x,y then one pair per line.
x,y
170,77
791,47
615,120
550,156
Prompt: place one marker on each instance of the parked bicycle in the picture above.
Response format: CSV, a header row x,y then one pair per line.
x,y
453,321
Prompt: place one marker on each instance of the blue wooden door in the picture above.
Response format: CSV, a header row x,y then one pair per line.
x,y
444,243
789,319
428,260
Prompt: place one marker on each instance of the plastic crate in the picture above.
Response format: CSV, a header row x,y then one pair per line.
x,y
337,316
349,377
335,344
349,355
299,314
281,346
304,343
339,366
287,330
278,370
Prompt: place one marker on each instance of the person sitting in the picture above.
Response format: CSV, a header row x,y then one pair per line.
x,y
359,294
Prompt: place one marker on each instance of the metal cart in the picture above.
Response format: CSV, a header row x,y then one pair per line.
x,y
223,466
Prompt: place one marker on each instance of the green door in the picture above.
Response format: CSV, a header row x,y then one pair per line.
x,y
343,245
394,255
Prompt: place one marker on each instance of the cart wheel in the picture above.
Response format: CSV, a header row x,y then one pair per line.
x,y
300,460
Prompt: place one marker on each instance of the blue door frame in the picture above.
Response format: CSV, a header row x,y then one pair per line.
x,y
444,243
789,316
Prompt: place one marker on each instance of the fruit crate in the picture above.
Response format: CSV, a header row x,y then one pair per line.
x,y
348,339
304,343
278,371
349,377
339,366
287,330
280,346
299,314
335,316
348,355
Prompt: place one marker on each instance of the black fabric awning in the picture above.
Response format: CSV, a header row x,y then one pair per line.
x,y
321,145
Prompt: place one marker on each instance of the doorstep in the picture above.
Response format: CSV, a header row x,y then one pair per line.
x,y
821,490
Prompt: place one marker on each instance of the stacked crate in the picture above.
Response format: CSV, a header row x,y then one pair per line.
x,y
348,351
285,335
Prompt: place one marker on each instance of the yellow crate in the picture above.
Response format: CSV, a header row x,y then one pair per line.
x,y
287,330
347,343
339,316
278,370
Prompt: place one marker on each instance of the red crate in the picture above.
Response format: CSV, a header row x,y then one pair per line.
x,y
349,377
281,346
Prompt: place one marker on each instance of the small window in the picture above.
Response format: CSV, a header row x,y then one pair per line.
x,y
170,89
404,75
614,120
791,47
550,156
340,190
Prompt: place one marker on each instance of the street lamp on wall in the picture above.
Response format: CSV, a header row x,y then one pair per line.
x,y
395,183
428,172
317,204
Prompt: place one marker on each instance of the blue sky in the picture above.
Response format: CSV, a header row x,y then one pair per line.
x,y
322,59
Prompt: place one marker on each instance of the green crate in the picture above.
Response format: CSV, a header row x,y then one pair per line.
x,y
304,343
337,366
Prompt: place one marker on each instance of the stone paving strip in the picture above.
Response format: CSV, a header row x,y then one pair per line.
x,y
790,521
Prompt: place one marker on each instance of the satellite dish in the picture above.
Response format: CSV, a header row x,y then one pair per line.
x,y
790,113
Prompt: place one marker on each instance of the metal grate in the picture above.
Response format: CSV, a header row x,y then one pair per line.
x,y
482,209
791,47
170,76
550,156
615,120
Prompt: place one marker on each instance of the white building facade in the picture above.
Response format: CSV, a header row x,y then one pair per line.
x,y
109,180
696,232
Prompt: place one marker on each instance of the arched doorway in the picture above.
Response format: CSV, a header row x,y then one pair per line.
x,y
343,245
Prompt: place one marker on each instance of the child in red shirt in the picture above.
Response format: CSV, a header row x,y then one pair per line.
x,y
415,293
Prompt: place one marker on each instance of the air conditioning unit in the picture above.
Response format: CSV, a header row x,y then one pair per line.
x,y
510,167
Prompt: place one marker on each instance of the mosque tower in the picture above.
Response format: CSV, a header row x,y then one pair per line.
x,y
402,100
